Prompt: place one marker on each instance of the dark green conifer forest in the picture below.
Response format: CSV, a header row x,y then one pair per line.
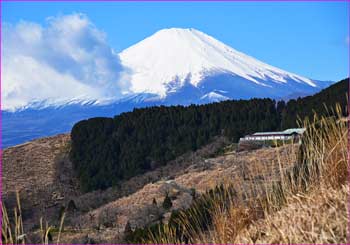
x,y
107,150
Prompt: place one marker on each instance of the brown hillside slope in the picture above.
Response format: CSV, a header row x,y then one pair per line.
x,y
41,173
23,164
106,223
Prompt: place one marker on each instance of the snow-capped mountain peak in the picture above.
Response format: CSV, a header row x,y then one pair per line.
x,y
189,55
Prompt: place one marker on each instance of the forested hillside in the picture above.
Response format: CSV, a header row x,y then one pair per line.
x,y
107,150
319,103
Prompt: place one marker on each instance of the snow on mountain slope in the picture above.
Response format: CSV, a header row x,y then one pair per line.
x,y
188,55
214,97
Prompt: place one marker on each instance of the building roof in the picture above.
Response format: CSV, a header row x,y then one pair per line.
x,y
294,130
287,131
268,133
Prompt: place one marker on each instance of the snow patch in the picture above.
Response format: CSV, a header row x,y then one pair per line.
x,y
214,97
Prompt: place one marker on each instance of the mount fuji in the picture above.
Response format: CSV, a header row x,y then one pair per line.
x,y
187,60
173,66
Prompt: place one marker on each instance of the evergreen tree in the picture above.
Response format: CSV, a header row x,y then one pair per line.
x,y
193,193
167,204
154,202
127,229
71,206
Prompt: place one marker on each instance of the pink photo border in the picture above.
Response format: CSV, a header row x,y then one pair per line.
x,y
348,147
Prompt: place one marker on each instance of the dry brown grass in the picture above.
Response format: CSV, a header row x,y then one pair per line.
x,y
306,204
319,217
12,231
325,151
313,195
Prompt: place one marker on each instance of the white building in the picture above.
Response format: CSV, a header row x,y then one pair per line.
x,y
292,133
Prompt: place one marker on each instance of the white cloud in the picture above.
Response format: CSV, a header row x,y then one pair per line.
x,y
66,58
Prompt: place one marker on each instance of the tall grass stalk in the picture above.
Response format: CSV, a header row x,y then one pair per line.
x,y
12,230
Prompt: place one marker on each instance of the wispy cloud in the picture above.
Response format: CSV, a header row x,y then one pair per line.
x,y
66,58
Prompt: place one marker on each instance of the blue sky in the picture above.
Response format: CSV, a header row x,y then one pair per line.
x,y
310,39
